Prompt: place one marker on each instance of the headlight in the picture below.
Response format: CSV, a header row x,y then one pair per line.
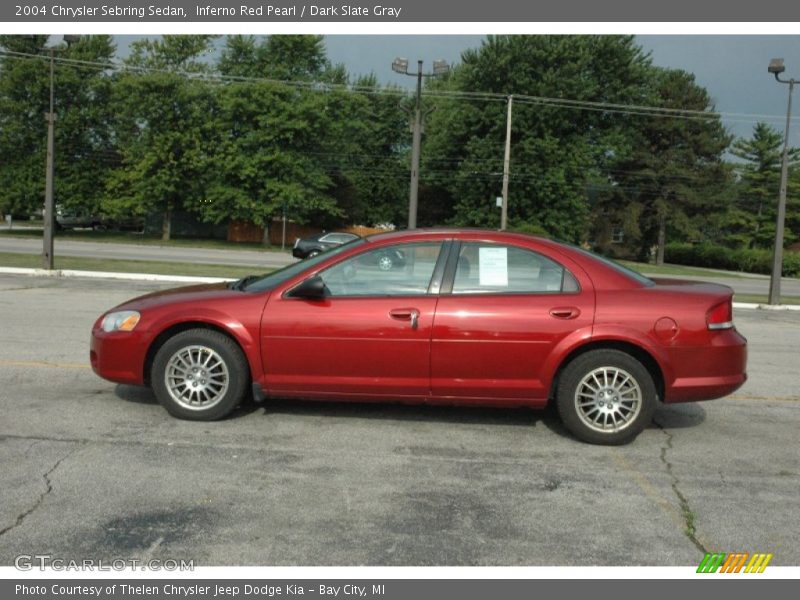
x,y
124,320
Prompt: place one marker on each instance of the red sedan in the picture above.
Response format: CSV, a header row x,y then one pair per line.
x,y
468,317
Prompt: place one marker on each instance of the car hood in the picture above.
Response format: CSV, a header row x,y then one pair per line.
x,y
200,292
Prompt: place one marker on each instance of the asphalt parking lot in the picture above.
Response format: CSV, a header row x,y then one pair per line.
x,y
95,470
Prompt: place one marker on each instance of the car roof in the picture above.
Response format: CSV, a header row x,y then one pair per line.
x,y
464,233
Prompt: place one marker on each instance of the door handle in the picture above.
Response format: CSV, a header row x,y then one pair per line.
x,y
565,312
406,314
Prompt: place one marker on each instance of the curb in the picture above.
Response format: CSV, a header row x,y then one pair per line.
x,y
58,273
191,279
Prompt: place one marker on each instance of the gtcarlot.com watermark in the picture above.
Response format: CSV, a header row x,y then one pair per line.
x,y
42,562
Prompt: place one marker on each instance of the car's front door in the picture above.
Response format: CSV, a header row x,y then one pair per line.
x,y
369,336
508,308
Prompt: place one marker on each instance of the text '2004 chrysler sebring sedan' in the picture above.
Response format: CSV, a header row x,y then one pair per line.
x,y
468,317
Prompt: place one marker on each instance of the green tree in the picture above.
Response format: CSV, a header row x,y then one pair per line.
x,y
752,221
84,153
672,176
321,152
280,57
372,175
165,129
556,151
268,141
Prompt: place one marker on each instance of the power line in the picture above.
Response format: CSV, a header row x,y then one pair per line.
x,y
321,86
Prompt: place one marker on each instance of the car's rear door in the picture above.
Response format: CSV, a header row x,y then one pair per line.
x,y
507,309
370,336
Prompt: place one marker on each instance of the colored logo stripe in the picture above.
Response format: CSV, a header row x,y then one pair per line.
x,y
758,563
734,562
711,562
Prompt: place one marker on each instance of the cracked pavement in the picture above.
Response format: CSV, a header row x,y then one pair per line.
x,y
89,469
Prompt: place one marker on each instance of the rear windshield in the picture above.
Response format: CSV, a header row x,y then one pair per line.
x,y
635,275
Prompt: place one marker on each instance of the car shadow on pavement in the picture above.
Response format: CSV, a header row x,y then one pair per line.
x,y
522,417
135,394
679,416
675,416
144,395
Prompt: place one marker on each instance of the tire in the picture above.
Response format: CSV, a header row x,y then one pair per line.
x,y
610,413
215,359
312,254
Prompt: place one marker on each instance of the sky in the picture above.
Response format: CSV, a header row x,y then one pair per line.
x,y
733,68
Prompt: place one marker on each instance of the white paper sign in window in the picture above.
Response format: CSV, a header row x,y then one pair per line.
x,y
493,266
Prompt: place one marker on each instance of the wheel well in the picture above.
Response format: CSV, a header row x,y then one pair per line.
x,y
162,337
637,352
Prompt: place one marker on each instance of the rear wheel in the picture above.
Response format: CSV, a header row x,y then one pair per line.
x,y
606,397
200,375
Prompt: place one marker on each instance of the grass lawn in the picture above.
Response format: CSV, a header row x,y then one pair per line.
x,y
9,259
676,270
123,237
762,299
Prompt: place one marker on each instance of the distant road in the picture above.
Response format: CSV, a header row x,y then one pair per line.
x,y
752,284
211,256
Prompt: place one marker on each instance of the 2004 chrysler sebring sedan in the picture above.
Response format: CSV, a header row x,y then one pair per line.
x,y
469,317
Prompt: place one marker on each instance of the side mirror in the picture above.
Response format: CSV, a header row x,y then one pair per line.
x,y
312,288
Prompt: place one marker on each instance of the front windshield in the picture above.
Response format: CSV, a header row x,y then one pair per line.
x,y
270,280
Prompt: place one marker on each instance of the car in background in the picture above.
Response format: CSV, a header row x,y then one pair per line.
x,y
309,247
69,218
472,318
75,218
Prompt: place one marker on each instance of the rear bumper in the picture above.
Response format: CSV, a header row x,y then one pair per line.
x,y
708,372
118,356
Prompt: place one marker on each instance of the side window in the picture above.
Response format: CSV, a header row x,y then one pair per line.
x,y
400,270
494,268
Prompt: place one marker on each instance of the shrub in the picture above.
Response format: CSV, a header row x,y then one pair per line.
x,y
751,260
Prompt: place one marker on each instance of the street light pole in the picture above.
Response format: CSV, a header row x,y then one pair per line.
x,y
416,149
49,204
776,67
400,65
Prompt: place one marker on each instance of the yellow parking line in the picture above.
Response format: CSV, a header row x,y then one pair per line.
x,y
42,364
775,398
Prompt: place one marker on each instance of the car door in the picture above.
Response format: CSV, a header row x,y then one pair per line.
x,y
369,335
507,308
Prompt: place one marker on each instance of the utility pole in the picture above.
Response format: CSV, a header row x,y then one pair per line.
x,y
776,67
49,204
506,167
400,65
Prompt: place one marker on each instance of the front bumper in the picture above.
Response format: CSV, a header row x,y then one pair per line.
x,y
119,356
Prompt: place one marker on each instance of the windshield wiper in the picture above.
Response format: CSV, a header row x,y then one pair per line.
x,y
240,284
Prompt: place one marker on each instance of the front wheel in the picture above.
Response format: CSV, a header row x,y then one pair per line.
x,y
606,397
199,375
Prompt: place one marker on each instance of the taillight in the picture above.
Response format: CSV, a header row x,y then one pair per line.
x,y
720,316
